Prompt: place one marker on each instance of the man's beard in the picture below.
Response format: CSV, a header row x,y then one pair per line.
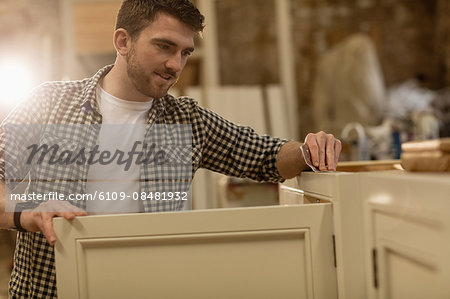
x,y
142,81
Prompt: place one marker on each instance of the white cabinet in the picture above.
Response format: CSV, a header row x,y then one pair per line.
x,y
342,189
392,230
407,219
263,252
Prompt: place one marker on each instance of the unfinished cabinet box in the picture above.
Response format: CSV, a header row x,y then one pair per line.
x,y
342,189
264,252
407,234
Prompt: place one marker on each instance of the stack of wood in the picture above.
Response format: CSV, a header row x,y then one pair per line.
x,y
429,155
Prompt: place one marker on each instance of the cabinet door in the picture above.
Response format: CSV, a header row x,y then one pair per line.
x,y
406,267
408,235
265,252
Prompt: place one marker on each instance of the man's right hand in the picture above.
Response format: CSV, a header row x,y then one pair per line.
x,y
41,218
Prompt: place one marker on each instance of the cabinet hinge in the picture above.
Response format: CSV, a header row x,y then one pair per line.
x,y
334,250
375,268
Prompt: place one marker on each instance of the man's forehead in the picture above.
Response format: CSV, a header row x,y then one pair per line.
x,y
168,28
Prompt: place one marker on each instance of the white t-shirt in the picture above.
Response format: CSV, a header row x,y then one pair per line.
x,y
123,124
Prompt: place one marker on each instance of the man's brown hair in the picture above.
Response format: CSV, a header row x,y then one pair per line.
x,y
135,15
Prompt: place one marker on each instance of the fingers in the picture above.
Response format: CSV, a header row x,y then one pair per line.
x,y
47,227
313,146
337,151
37,220
42,217
324,149
330,150
53,209
322,141
67,210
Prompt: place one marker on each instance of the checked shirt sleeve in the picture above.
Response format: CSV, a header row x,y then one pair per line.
x,y
19,128
238,150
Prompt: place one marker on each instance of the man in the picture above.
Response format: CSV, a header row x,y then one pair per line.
x,y
153,39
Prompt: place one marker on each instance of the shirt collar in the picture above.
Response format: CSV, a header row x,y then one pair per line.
x,y
88,94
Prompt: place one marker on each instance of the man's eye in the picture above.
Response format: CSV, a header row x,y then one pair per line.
x,y
163,47
187,53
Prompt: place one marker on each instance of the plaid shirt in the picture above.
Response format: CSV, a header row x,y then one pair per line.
x,y
217,144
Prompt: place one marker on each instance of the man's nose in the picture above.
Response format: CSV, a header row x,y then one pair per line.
x,y
175,63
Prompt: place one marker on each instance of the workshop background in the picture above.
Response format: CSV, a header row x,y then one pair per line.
x,y
373,72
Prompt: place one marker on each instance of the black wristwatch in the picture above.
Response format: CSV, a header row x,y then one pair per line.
x,y
17,212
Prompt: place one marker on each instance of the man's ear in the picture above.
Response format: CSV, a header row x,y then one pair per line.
x,y
122,41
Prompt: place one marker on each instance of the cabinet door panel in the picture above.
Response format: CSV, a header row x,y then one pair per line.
x,y
269,252
408,275
406,271
408,267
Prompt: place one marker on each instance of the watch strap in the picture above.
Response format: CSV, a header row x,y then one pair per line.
x,y
17,213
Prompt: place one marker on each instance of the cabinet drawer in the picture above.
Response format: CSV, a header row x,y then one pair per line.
x,y
263,252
